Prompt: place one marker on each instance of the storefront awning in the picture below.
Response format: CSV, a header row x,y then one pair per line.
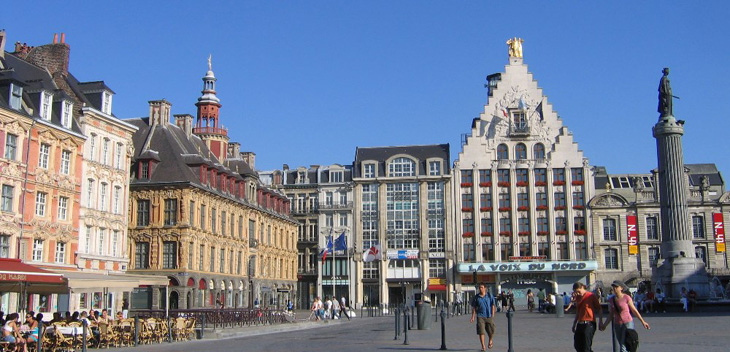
x,y
436,288
16,276
79,281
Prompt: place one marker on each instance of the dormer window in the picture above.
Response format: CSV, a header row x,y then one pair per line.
x,y
106,103
434,168
66,113
402,167
144,170
301,176
46,105
368,170
16,96
335,176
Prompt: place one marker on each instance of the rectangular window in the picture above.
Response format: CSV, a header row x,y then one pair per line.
x,y
559,200
16,96
343,219
37,250
117,200
4,246
240,226
561,249
251,232
505,226
240,261
223,223
336,176
485,201
467,176
698,226
115,243
11,146
7,198
578,200
169,255
201,257
100,241
581,250
213,219
142,255
62,208
191,246
503,176
504,201
523,225
523,201
143,212
652,231
524,246
46,105
543,249
561,226
368,171
87,240
559,176
65,162
653,255
233,226
579,223
540,177
468,250
102,196
144,170
611,258
44,155
542,226
488,252
541,200
222,267
40,204
506,249
118,156
90,193
468,225
60,252
521,177
203,211
576,174
66,114
467,202
434,168
437,268
170,212
485,176
609,230
212,259
92,146
106,106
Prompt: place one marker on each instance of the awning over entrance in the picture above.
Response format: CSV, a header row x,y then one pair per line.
x,y
433,288
16,276
79,281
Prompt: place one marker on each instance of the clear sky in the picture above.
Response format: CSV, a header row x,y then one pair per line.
x,y
306,82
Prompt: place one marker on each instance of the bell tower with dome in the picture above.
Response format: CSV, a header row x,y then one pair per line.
x,y
208,126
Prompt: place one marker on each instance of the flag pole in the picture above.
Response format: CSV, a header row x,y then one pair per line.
x,y
334,254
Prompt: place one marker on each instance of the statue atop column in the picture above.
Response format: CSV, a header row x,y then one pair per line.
x,y
515,47
665,95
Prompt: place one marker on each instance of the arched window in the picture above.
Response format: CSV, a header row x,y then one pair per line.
x,y
520,151
400,167
502,152
538,151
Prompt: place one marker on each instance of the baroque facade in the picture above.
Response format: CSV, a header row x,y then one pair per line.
x,y
520,187
627,231
201,218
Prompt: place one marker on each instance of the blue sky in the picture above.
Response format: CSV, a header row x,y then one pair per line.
x,y
306,82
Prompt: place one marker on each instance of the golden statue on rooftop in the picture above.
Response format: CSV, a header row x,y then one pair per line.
x,y
515,47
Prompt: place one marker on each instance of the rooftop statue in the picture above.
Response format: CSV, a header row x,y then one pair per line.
x,y
515,47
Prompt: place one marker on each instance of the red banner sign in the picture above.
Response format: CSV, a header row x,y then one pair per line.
x,y
719,226
633,237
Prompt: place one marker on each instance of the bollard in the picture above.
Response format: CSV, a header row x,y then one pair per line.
x,y
169,330
136,330
509,330
40,335
405,338
615,347
83,338
447,309
443,330
410,320
397,320
559,312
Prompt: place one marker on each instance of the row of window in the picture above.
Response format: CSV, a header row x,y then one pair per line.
x,y
105,156
523,200
401,167
524,248
524,225
103,203
610,232
611,256
521,176
106,242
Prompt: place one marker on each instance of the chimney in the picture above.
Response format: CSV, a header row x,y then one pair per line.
x,y
250,159
234,150
55,38
159,112
3,38
53,57
185,122
285,167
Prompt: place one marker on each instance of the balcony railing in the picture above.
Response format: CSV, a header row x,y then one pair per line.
x,y
210,130
336,206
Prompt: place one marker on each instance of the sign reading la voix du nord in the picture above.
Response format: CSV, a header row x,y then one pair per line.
x,y
512,267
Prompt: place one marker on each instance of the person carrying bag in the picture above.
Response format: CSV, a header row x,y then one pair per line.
x,y
621,307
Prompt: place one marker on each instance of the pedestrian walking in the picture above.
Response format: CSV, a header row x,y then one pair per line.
x,y
484,306
620,310
343,307
541,300
585,323
511,298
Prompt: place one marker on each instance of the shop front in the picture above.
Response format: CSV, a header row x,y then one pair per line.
x,y
554,277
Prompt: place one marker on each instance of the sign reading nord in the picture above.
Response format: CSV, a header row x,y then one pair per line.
x,y
513,267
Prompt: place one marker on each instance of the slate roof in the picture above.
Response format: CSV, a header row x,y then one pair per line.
x,y
419,152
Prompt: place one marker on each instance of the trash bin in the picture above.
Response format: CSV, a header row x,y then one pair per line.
x,y
559,312
423,314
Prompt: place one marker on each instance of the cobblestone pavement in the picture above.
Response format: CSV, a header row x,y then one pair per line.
x,y
532,332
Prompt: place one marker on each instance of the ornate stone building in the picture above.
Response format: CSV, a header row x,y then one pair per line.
x,y
520,187
200,217
626,224
41,147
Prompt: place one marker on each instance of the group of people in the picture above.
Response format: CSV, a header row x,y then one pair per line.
x,y
507,299
331,308
647,302
22,333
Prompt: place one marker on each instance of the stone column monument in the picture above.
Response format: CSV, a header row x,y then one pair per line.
x,y
678,267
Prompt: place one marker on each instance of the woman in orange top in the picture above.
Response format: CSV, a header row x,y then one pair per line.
x,y
584,325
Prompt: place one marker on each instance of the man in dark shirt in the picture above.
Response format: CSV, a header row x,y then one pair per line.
x,y
483,309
